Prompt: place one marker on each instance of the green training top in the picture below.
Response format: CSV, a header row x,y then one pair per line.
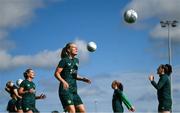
x,y
118,98
163,90
69,73
28,97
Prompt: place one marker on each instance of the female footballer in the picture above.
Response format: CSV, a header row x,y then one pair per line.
x,y
163,88
119,98
28,91
12,89
66,74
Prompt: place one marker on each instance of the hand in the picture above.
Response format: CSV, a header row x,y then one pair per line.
x,y
87,80
42,96
151,77
32,90
65,85
132,109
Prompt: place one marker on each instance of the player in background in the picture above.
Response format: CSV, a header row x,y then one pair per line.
x,y
11,107
28,91
19,98
163,88
11,89
119,98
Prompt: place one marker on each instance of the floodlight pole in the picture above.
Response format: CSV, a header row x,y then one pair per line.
x,y
169,45
169,24
95,104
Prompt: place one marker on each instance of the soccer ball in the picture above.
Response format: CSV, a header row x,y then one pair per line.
x,y
18,82
130,16
91,46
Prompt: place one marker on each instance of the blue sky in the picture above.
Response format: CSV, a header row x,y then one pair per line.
x,y
33,32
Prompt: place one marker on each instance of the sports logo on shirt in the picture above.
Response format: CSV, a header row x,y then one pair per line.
x,y
27,109
69,64
69,101
73,71
162,107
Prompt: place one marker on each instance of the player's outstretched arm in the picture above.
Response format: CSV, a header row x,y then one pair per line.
x,y
127,103
42,96
84,79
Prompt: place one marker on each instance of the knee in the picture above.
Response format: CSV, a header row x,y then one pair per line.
x,y
81,109
71,109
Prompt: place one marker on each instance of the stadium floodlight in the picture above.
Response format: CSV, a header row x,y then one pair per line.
x,y
169,24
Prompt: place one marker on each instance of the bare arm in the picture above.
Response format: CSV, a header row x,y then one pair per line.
x,y
21,91
83,79
16,93
42,96
161,82
59,78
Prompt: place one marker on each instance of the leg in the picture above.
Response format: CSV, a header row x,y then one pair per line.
x,y
20,111
30,111
164,109
71,109
80,108
35,110
166,112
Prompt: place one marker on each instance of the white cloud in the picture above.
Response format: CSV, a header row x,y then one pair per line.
x,y
162,9
44,59
15,13
158,10
3,34
159,32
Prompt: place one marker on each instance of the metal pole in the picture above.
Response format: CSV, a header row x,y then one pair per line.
x,y
170,60
169,24
95,103
169,44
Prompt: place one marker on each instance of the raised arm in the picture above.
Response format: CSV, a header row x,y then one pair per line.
x,y
84,79
42,96
160,83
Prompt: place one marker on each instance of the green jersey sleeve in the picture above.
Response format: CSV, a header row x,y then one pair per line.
x,y
62,63
124,99
23,84
160,83
126,102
